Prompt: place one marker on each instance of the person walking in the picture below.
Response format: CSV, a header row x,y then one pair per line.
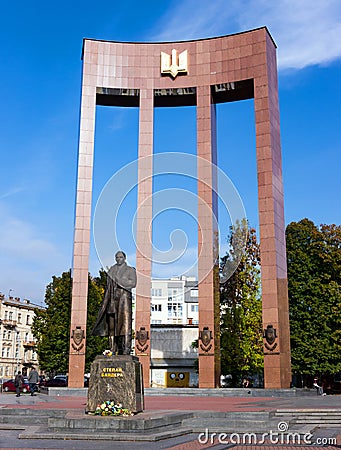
x,y
319,389
33,379
18,382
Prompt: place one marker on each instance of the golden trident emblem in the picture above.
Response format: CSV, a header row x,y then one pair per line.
x,y
172,64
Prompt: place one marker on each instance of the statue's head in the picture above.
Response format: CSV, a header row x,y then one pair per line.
x,y
120,257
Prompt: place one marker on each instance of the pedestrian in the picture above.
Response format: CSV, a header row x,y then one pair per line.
x,y
33,379
246,383
18,382
319,389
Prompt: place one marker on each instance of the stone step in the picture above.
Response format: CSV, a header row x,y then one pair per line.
x,y
317,412
219,425
24,420
310,420
230,392
11,426
22,412
235,415
310,416
152,436
155,422
26,416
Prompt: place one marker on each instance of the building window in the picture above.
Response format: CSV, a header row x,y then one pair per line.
x,y
3,351
194,293
17,352
8,352
18,336
156,292
194,308
174,310
6,315
157,307
4,335
28,320
19,317
9,335
26,337
155,322
10,316
175,295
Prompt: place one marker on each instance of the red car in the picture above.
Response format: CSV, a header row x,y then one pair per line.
x,y
8,386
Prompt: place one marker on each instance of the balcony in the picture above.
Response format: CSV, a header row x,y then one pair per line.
x,y
9,323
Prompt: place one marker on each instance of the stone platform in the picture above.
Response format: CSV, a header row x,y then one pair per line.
x,y
37,422
116,378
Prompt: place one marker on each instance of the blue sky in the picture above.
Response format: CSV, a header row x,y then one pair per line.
x,y
40,82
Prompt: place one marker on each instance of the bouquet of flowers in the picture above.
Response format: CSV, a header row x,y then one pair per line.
x,y
107,353
110,408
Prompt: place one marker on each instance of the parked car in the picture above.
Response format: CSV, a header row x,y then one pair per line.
x,y
8,386
55,382
61,381
60,377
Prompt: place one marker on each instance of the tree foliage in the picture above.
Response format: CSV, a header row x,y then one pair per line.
x,y
95,345
314,282
51,327
241,308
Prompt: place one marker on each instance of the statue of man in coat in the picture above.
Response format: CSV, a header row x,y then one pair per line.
x,y
115,314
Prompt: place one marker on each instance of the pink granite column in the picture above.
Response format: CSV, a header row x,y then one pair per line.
x,y
82,226
144,232
208,275
277,366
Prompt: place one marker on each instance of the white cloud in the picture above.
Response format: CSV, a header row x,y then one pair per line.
x,y
19,239
12,191
28,259
307,33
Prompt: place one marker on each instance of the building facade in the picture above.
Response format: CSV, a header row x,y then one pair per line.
x,y
174,301
174,318
17,345
174,357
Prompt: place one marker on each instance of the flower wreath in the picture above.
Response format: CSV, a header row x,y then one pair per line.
x,y
110,408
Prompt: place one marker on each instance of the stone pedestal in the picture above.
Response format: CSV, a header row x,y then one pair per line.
x,y
117,378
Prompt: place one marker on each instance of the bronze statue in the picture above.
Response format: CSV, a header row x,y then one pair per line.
x,y
115,315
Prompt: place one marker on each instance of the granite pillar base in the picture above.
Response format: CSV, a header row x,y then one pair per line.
x,y
117,378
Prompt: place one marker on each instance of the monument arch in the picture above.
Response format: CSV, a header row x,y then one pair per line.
x,y
201,73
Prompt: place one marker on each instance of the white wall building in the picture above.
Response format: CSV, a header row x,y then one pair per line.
x,y
174,327
173,357
174,301
17,345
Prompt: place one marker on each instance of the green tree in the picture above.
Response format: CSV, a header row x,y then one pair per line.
x,y
314,282
241,307
51,326
95,345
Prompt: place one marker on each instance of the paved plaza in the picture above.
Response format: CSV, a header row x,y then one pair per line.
x,y
209,411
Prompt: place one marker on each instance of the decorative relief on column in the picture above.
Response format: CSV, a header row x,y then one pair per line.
x,y
205,336
270,336
142,338
77,336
